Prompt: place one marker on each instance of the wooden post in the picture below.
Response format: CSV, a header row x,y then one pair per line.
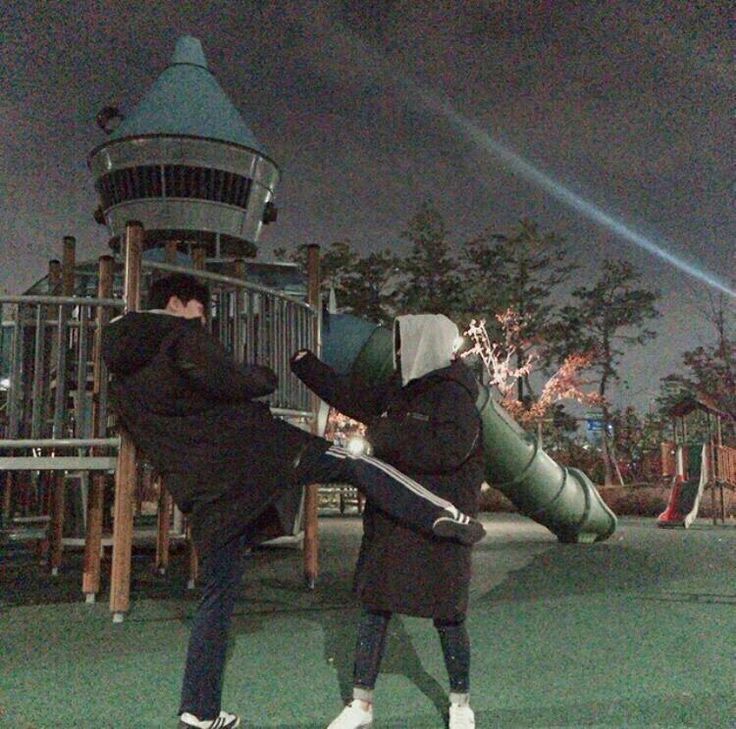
x,y
68,261
709,464
311,495
171,247
95,498
126,471
56,520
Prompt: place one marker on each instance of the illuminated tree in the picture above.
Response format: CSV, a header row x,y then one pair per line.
x,y
499,360
516,272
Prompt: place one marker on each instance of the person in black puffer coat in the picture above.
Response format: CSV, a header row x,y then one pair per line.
x,y
425,423
230,464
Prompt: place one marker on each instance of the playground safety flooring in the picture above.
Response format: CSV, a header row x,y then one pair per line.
x,y
638,631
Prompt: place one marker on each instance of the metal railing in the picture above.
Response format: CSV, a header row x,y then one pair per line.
x,y
48,341
49,344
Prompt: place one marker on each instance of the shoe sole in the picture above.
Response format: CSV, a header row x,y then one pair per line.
x,y
184,725
448,528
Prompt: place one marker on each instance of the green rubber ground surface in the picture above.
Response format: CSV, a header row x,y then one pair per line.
x,y
638,631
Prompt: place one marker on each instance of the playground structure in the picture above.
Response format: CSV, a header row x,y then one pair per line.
x,y
59,442
202,187
695,466
68,381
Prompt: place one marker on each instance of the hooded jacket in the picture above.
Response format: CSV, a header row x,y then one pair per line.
x,y
424,422
193,413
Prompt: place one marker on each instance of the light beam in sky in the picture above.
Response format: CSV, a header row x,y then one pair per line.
x,y
527,170
373,60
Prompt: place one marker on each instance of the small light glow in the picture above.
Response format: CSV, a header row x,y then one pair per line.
x,y
5,383
358,446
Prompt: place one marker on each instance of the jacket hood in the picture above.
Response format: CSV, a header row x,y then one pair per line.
x,y
131,341
427,343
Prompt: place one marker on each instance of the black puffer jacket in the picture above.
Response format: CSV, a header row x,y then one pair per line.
x,y
190,409
430,429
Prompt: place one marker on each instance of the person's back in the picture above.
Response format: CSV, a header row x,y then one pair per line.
x,y
173,399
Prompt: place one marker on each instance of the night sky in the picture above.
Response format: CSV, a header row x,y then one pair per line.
x,y
369,108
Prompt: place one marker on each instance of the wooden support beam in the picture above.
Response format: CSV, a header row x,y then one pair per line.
x,y
199,257
126,473
95,498
122,544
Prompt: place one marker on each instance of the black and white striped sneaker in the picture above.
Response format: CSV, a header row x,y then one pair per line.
x,y
224,721
458,526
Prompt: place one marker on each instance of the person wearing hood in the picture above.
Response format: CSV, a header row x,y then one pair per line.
x,y
425,423
230,465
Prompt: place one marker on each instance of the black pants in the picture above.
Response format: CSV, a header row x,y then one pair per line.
x,y
371,643
222,572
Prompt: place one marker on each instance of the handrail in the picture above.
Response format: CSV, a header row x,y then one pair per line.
x,y
47,299
220,278
59,443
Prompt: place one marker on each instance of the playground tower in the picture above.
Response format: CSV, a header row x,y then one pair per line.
x,y
185,164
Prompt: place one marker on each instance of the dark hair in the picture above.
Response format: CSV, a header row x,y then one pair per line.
x,y
181,285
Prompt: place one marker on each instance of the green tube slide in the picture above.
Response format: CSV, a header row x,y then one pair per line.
x,y
562,499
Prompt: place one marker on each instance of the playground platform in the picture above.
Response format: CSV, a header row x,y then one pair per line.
x,y
636,631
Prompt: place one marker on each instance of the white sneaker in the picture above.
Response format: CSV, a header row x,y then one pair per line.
x,y
353,717
461,717
224,721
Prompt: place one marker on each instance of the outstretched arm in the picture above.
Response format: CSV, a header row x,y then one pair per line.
x,y
208,365
342,392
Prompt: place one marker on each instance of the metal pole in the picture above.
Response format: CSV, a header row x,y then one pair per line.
x,y
56,521
125,473
311,496
93,537
238,351
163,526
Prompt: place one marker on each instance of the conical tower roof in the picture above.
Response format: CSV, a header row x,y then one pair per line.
x,y
186,100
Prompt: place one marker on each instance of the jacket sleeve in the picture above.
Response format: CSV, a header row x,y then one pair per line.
x,y
437,432
206,363
341,392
